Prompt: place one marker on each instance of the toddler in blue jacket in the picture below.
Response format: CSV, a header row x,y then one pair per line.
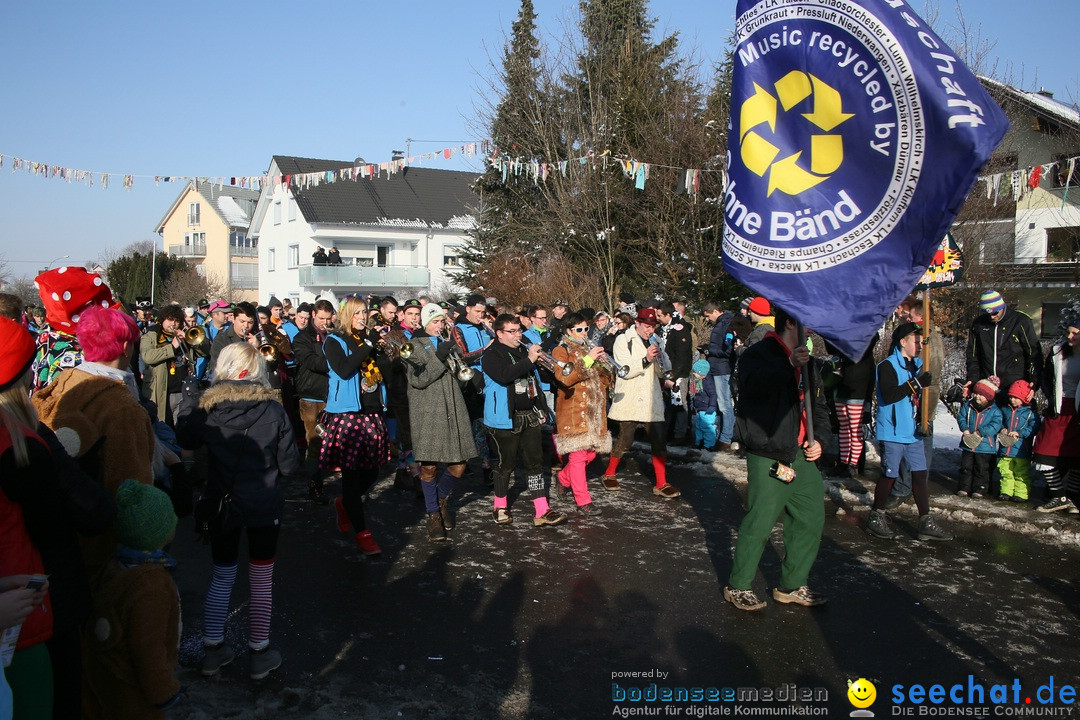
x,y
1019,422
980,422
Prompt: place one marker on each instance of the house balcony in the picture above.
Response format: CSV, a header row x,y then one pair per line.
x,y
187,250
1029,273
243,251
358,276
245,283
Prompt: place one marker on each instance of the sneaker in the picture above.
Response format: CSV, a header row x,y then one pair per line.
x,y
435,530
962,493
1073,510
549,518
896,501
1004,498
930,530
666,491
743,599
610,482
877,524
263,662
367,544
501,516
589,510
802,596
343,523
563,493
216,657
976,494
1054,504
444,514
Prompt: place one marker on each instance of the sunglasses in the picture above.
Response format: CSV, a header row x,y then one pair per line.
x,y
578,329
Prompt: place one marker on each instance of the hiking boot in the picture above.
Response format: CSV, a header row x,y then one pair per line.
x,y
666,491
589,510
962,493
1004,498
976,495
930,530
315,492
367,544
1054,504
877,524
610,482
802,596
501,516
216,657
743,599
549,518
721,447
445,515
1018,499
263,662
435,530
343,523
563,493
896,501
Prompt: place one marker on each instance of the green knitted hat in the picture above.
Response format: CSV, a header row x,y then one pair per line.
x,y
144,516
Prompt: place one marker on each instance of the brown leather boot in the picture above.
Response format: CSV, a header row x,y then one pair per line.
x,y
444,512
435,530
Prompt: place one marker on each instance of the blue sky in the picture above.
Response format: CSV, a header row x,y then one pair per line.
x,y
217,88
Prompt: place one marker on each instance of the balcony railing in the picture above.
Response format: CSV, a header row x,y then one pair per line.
x,y
243,251
187,250
393,276
245,283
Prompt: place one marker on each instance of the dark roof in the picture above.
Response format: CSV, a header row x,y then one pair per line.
x,y
412,196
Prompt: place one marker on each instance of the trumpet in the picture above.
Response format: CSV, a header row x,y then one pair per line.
x,y
403,349
454,361
547,361
195,336
266,346
608,362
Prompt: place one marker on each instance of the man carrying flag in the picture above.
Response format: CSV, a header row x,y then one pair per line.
x,y
855,137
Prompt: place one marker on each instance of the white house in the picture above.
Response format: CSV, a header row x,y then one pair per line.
x,y
398,233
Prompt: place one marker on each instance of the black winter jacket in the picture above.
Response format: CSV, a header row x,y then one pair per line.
x,y
250,444
312,370
1009,349
769,410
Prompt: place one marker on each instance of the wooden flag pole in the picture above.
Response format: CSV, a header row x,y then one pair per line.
x,y
808,386
924,404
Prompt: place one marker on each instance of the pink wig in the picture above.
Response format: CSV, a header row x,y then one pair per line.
x,y
102,333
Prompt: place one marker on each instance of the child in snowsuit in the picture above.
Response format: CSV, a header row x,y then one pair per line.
x,y
1019,424
704,403
980,422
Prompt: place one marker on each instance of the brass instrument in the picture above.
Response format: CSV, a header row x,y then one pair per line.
x,y
454,361
664,361
195,336
266,346
608,362
403,349
547,361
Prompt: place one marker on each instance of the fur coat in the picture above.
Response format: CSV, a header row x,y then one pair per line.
x,y
581,402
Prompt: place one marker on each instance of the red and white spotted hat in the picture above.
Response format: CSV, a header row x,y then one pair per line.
x,y
67,291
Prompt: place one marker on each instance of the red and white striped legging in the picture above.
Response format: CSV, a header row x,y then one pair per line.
x,y
849,413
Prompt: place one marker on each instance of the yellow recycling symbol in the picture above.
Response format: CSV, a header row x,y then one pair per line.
x,y
826,151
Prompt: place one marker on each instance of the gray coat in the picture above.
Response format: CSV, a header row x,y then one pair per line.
x,y
441,431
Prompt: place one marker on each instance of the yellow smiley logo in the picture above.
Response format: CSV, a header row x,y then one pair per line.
x,y
861,693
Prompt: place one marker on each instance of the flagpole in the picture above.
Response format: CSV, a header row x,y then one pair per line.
x,y
808,385
924,404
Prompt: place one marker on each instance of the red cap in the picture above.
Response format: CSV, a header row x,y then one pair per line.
x,y
16,351
647,315
67,291
760,306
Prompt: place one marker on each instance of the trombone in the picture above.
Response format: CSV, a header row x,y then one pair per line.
x,y
195,336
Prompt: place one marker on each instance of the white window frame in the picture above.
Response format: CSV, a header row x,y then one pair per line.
x,y
293,260
193,214
270,260
277,212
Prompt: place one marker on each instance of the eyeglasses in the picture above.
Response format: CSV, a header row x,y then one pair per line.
x,y
512,332
579,329
539,317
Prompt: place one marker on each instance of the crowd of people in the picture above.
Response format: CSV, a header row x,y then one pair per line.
x,y
111,405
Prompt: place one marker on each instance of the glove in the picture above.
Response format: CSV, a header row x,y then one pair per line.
x,y
444,350
925,379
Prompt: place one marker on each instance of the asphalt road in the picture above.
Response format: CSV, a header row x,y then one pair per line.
x,y
523,622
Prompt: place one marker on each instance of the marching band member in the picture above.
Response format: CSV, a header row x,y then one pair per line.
x,y
580,411
472,339
514,408
169,360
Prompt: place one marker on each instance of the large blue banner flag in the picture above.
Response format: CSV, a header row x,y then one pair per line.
x,y
855,136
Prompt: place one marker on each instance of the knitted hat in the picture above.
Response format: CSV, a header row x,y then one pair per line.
x,y
67,291
16,351
987,389
991,302
701,367
430,312
145,519
1021,389
760,306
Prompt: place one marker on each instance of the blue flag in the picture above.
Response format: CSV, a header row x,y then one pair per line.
x,y
855,136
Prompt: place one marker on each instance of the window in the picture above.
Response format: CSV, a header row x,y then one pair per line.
x,y
237,238
294,256
270,260
277,212
193,214
292,210
365,262
1063,244
1051,318
384,255
451,261
245,276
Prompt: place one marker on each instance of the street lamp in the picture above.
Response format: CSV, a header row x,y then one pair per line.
x,y
62,257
